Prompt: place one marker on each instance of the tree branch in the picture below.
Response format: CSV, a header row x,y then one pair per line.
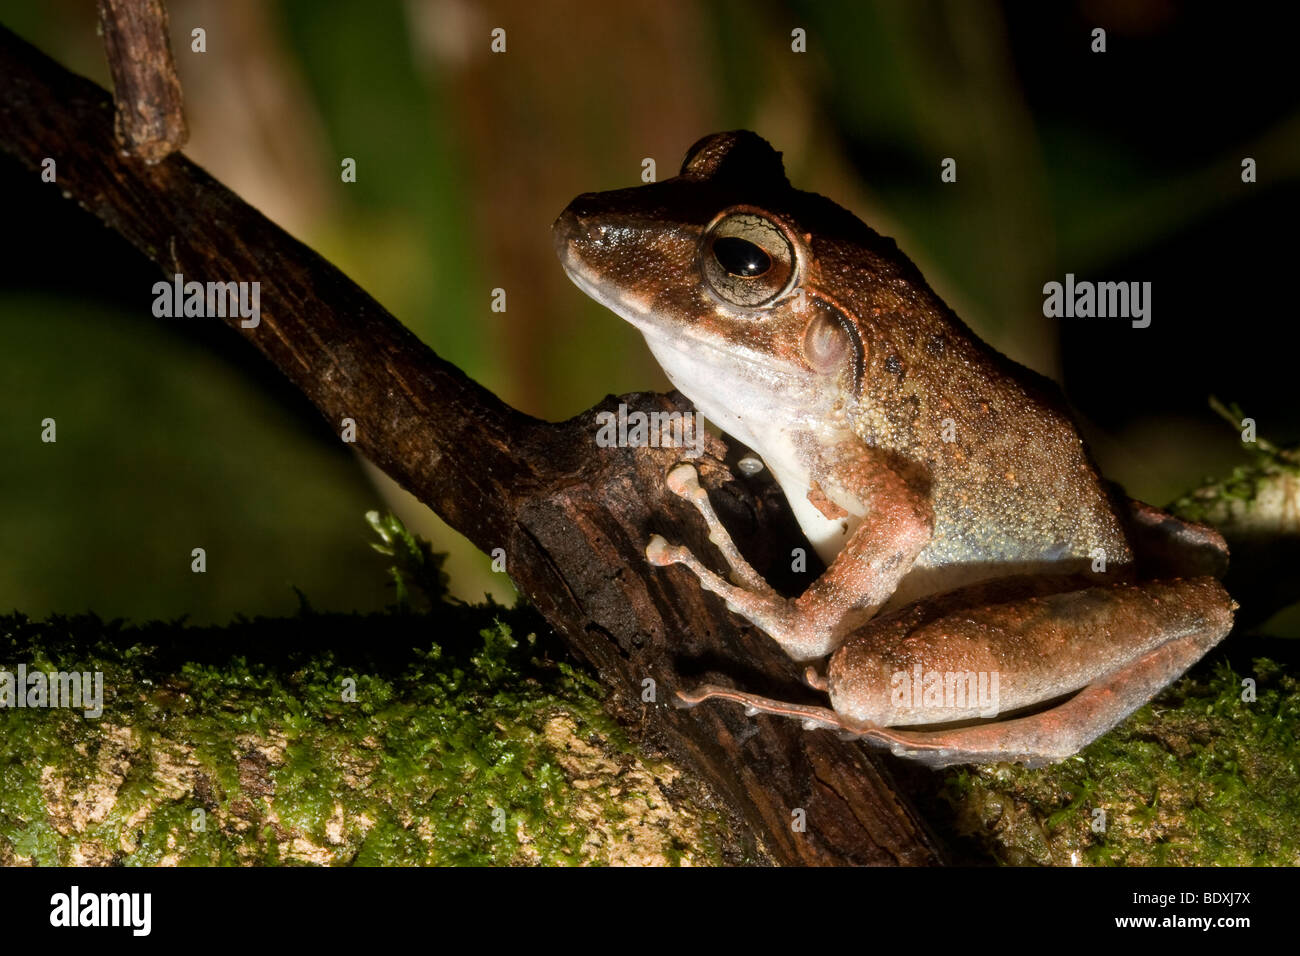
x,y
572,518
150,121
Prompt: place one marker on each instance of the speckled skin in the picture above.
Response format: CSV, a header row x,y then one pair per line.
x,y
918,460
1037,652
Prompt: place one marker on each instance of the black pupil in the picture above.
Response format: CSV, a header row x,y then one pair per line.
x,y
740,257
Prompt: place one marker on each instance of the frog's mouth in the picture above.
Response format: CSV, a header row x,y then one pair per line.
x,y
703,369
629,308
709,372
578,241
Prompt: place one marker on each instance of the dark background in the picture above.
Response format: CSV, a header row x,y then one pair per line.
x,y
1121,166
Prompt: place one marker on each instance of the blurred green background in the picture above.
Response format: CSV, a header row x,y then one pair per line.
x,y
173,435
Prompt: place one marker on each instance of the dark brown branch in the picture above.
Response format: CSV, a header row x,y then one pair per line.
x,y
572,518
150,120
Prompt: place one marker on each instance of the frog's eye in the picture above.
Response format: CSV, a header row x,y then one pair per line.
x,y
740,257
747,260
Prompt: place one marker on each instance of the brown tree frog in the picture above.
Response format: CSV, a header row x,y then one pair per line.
x,y
982,599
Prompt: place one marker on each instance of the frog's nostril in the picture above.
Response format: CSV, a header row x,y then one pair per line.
x,y
581,222
567,225
585,206
571,229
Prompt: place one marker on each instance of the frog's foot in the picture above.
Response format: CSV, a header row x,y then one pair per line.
x,y
800,635
804,634
814,718
684,482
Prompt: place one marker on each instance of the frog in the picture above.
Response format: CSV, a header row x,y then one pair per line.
x,y
987,595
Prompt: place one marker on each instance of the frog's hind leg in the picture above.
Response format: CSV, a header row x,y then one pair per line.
x,y
814,718
1053,735
1039,739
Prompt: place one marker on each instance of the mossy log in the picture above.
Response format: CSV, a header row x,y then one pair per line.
x,y
454,736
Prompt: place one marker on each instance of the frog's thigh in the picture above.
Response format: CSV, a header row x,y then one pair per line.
x,y
1064,730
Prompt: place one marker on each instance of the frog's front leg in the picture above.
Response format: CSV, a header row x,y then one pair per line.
x,y
860,579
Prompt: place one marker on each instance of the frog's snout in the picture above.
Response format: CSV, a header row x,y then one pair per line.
x,y
577,230
579,221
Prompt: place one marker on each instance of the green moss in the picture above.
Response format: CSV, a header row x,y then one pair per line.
x,y
1199,777
1259,494
460,735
